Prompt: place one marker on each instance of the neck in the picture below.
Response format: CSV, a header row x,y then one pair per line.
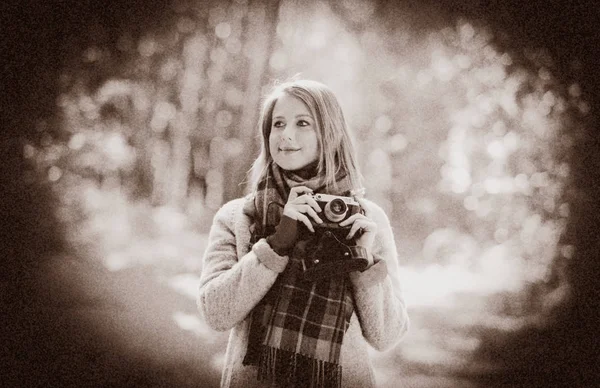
x,y
308,171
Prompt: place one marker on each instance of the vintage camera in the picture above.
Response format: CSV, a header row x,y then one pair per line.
x,y
335,209
330,253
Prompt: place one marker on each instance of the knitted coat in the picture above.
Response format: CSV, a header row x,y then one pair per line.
x,y
235,277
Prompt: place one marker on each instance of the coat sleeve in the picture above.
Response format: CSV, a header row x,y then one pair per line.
x,y
378,298
230,286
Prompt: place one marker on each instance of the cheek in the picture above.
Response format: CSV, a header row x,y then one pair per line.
x,y
272,142
315,143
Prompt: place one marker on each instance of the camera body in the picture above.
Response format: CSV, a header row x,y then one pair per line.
x,y
330,253
335,209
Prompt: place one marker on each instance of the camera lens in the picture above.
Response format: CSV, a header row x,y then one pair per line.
x,y
335,210
338,206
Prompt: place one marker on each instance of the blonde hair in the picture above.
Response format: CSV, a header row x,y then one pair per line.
x,y
337,152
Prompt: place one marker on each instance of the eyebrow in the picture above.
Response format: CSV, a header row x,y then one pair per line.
x,y
297,116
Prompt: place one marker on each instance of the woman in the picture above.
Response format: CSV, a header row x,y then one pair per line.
x,y
290,330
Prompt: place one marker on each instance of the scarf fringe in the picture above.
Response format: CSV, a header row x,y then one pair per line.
x,y
289,369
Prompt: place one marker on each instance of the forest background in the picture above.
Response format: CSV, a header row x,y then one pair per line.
x,y
126,125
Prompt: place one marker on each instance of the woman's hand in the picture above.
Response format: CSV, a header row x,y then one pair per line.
x,y
363,223
300,205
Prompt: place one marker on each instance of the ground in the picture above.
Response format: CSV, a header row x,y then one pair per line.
x,y
79,324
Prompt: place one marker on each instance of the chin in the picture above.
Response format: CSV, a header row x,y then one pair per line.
x,y
290,165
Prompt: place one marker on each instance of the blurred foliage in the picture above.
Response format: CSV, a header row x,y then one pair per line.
x,y
465,140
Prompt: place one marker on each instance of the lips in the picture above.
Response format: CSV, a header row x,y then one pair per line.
x,y
289,149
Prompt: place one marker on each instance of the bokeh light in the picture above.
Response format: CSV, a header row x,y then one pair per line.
x,y
465,139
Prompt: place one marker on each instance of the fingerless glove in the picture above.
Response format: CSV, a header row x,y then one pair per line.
x,y
285,236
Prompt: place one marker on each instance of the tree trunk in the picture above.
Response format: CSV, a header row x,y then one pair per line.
x,y
261,30
190,87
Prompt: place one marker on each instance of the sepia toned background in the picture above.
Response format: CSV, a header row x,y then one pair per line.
x,y
126,125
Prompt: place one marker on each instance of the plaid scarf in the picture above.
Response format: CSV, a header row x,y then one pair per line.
x,y
297,329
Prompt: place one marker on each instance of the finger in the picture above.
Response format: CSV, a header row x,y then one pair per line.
x,y
352,219
310,201
355,227
294,213
304,219
295,192
362,203
310,211
363,224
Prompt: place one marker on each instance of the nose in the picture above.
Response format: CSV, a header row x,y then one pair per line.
x,y
288,133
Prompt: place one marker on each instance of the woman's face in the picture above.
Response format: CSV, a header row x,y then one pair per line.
x,y
293,141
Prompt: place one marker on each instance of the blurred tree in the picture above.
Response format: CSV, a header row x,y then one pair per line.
x,y
260,32
459,131
466,136
176,94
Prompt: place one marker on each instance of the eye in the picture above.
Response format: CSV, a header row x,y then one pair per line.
x,y
278,124
303,123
